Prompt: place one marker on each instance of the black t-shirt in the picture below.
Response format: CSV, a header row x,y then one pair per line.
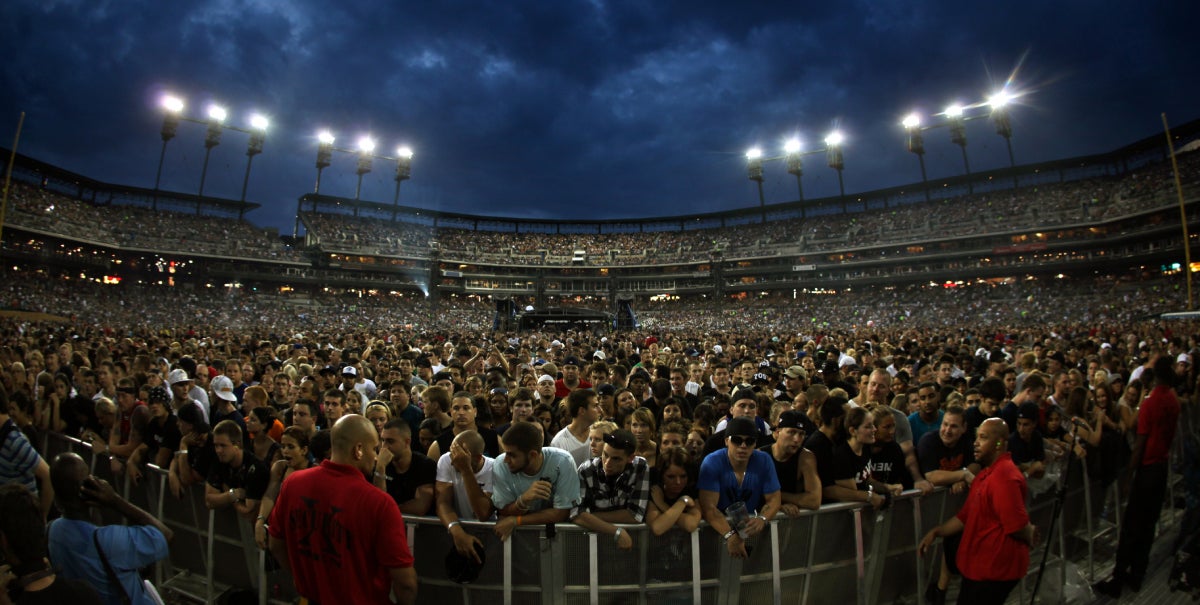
x,y
202,458
848,465
402,487
1024,452
253,476
887,464
787,472
491,441
973,417
822,447
62,590
934,455
157,436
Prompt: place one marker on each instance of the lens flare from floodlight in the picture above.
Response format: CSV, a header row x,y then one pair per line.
x,y
954,111
753,153
792,145
911,121
366,145
325,137
259,121
835,139
1000,99
172,103
404,151
217,113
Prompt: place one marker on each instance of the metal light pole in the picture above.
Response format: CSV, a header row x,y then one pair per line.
x,y
916,144
795,167
258,132
833,154
365,147
958,136
216,115
172,105
324,155
403,173
754,171
999,104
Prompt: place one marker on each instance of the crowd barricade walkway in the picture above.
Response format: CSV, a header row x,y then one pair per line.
x,y
844,553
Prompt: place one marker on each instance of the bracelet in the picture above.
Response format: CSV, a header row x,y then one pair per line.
x,y
180,452
260,518
518,520
617,534
451,525
729,534
870,493
761,517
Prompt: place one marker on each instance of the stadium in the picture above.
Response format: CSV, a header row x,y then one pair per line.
x,y
1078,256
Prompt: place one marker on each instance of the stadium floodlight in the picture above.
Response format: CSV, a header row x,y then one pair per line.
x,y
212,138
258,134
958,136
172,109
795,165
366,145
754,171
954,111
404,156
324,155
999,99
325,137
792,145
833,157
916,144
999,103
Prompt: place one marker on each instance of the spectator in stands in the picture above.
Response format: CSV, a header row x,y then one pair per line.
x,y
614,488
181,387
795,467
673,498
533,485
750,501
19,461
84,551
161,437
929,416
464,490
379,414
948,461
583,409
745,405
304,415
294,456
238,479
1026,445
407,476
853,480
642,426
887,458
821,443
464,410
349,543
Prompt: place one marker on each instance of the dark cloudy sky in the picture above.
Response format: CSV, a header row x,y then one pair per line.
x,y
577,108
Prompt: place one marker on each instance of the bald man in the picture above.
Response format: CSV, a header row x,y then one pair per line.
x,y
140,542
996,533
343,539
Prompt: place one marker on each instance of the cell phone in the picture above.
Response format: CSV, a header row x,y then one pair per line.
x,y
83,493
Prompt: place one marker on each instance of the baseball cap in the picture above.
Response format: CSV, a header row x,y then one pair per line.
x,y
606,389
1184,358
622,439
545,378
796,372
760,378
158,394
222,387
498,391
741,427
349,371
571,361
793,419
1028,411
743,393
176,376
599,355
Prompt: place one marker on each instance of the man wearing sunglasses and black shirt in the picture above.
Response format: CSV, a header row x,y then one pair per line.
x,y
739,475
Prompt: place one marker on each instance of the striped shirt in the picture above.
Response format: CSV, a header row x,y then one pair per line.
x,y
18,459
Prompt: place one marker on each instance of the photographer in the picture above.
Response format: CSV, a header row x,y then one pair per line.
x,y
94,554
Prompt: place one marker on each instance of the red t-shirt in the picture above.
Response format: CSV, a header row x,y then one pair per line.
x,y
1157,418
995,508
342,535
562,390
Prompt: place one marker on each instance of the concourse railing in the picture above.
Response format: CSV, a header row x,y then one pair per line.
x,y
843,553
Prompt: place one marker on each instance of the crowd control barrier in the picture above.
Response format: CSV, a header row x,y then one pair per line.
x,y
843,553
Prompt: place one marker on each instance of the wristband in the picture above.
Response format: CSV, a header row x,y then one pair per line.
x,y
518,520
451,525
617,534
729,534
260,518
870,493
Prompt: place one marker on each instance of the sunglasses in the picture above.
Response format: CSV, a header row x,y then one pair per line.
x,y
740,441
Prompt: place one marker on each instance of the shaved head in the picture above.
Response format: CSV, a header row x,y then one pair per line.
x,y
353,441
67,473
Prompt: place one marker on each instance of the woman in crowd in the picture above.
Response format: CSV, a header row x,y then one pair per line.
x,y
379,413
673,496
887,459
544,416
258,425
429,430
853,481
641,424
294,457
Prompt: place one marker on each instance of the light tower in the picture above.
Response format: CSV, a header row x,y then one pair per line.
x,y
916,144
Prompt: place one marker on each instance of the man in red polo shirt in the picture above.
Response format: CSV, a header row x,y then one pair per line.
x,y
342,538
1158,416
996,533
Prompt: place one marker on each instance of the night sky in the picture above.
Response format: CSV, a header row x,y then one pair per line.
x,y
575,109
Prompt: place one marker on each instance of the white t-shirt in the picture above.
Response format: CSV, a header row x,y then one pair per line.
x,y
446,473
579,450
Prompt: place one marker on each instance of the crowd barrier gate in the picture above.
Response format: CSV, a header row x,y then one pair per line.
x,y
840,553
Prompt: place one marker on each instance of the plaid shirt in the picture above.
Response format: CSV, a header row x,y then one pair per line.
x,y
630,490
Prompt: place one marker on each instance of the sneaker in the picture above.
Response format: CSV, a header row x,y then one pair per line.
x,y
1109,588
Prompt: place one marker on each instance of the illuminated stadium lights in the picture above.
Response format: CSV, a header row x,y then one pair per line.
x,y
999,104
214,122
916,144
793,154
366,155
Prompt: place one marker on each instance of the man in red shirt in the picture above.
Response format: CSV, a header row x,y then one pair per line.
x,y
1158,416
342,538
996,533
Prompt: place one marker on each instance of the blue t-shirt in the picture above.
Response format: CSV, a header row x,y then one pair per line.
x,y
558,467
716,475
18,459
128,548
920,427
